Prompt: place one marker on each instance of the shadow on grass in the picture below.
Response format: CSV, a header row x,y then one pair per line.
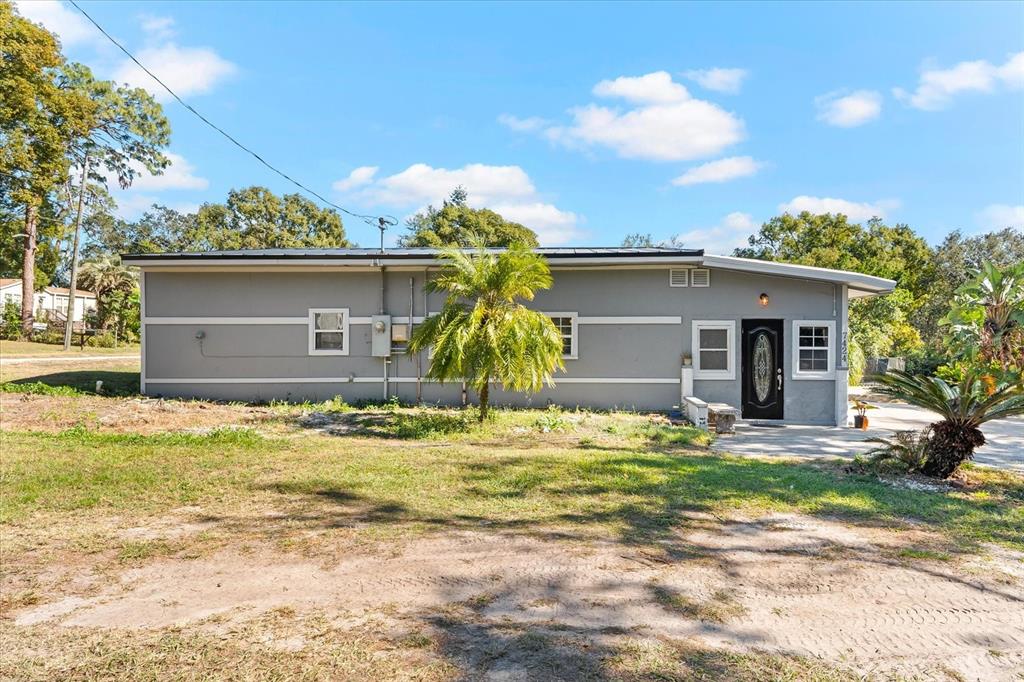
x,y
76,382
645,497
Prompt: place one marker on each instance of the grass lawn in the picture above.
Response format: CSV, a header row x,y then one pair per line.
x,y
402,471
24,349
119,377
108,510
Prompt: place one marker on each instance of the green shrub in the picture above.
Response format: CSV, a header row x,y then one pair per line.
x,y
106,340
857,362
53,334
10,325
924,362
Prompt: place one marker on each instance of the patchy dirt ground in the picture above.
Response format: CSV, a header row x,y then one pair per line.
x,y
780,584
122,415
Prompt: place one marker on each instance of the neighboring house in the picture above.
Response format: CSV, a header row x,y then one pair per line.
x,y
642,328
51,304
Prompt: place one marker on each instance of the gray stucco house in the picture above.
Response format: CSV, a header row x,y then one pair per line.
x,y
643,328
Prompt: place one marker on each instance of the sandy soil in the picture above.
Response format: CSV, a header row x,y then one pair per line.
x,y
783,584
122,415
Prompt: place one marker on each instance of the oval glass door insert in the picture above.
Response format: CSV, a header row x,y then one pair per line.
x,y
763,368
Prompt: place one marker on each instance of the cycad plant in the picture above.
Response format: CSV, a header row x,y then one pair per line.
x,y
964,407
484,333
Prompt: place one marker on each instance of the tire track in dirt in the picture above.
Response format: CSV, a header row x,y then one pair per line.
x,y
789,594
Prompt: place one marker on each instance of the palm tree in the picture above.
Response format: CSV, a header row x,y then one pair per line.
x,y
105,275
963,407
483,332
987,316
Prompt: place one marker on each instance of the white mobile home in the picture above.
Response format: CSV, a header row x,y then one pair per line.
x,y
52,302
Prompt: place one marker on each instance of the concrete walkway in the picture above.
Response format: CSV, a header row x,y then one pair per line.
x,y
1004,447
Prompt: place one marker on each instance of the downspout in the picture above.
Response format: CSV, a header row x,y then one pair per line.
x,y
419,356
383,294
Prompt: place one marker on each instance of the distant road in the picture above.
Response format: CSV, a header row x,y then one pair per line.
x,y
64,358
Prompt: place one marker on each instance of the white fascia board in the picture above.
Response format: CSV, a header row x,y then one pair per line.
x,y
867,284
232,263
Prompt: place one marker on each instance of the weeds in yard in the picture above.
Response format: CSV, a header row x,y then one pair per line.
x,y
552,420
926,554
675,435
223,435
431,424
39,388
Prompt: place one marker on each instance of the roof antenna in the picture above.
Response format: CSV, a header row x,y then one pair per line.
x,y
382,224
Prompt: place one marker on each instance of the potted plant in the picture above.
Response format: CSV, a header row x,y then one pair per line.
x,y
860,420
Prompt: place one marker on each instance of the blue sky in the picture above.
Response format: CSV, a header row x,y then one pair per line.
x,y
588,122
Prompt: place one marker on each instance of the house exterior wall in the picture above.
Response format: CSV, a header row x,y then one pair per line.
x,y
633,330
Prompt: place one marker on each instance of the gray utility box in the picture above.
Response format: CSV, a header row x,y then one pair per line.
x,y
380,336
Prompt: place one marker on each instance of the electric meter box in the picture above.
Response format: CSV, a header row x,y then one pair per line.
x,y
380,336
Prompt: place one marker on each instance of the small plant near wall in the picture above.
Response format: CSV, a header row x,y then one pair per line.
x,y
860,420
905,452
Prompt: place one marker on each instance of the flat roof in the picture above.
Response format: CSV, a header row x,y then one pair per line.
x,y
405,253
858,283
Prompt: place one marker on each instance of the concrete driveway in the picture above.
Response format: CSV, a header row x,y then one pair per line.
x,y
1004,447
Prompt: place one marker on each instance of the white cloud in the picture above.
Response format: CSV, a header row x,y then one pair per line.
x,y
553,226
719,80
851,209
186,70
849,110
179,175
721,170
507,190
652,88
523,125
357,178
937,87
421,184
59,18
1000,216
158,28
665,123
731,232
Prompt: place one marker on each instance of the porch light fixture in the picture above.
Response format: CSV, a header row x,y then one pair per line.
x,y
763,299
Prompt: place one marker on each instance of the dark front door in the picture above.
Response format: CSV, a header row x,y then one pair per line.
x,y
762,369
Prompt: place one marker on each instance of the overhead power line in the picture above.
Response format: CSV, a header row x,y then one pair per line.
x,y
373,220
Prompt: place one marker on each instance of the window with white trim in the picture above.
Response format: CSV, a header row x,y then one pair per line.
x,y
328,331
567,328
713,345
679,277
700,277
814,349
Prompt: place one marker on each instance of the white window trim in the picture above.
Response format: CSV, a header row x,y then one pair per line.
x,y
707,273
727,374
575,333
313,350
828,374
